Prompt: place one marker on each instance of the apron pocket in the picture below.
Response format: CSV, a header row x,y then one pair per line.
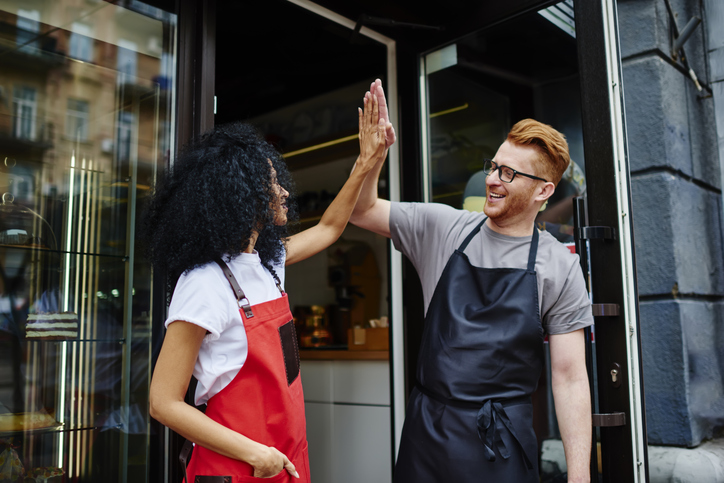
x,y
290,350
282,476
212,479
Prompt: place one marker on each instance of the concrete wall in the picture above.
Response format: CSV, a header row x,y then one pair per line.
x,y
677,212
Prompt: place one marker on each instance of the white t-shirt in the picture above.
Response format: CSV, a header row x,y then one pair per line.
x,y
204,297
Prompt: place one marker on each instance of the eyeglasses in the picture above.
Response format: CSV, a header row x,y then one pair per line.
x,y
506,174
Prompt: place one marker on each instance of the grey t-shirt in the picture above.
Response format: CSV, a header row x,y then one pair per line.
x,y
429,233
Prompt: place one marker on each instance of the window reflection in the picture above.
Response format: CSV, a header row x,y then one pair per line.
x,y
85,122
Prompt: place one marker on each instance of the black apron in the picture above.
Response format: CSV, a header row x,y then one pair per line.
x,y
470,418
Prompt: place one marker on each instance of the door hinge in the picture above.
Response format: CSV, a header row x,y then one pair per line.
x,y
596,233
605,310
608,419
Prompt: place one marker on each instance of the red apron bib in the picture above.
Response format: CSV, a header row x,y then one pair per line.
x,y
264,402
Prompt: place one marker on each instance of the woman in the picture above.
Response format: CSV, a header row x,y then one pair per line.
x,y
216,227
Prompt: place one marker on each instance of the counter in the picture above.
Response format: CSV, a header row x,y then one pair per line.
x,y
342,355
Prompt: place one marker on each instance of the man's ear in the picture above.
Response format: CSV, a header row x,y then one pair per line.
x,y
546,191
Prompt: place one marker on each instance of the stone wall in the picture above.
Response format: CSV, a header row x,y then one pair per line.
x,y
677,211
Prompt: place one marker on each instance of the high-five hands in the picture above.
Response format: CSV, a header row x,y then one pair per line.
x,y
372,134
377,91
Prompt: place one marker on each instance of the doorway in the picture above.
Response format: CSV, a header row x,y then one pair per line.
x,y
298,73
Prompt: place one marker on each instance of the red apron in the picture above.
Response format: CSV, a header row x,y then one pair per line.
x,y
264,402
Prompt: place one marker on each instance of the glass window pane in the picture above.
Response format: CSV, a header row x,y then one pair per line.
x,y
80,146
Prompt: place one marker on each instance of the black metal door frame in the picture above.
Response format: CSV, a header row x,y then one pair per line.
x,y
195,77
623,439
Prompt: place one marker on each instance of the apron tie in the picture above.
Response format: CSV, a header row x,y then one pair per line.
x,y
488,417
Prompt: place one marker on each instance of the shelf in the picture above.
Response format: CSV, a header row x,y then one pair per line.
x,y
62,252
345,355
40,431
119,341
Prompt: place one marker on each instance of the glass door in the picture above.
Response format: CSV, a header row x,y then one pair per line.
x,y
472,92
85,123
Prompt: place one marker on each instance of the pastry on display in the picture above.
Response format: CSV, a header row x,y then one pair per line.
x,y
52,326
26,421
11,468
44,474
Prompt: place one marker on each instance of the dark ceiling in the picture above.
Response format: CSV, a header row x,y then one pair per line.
x,y
273,53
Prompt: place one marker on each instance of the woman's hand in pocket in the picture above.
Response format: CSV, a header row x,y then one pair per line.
x,y
271,462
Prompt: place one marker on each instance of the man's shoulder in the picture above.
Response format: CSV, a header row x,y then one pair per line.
x,y
438,213
557,256
431,215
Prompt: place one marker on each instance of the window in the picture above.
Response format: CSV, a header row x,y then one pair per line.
x,y
25,107
125,135
28,28
81,42
76,120
126,60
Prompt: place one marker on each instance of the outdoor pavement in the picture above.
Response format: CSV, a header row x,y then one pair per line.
x,y
667,464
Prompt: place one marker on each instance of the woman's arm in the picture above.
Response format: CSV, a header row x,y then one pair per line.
x,y
373,149
168,387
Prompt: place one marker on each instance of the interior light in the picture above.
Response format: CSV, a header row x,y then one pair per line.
x,y
320,146
448,111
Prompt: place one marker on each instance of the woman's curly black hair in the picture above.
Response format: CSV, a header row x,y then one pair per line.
x,y
207,204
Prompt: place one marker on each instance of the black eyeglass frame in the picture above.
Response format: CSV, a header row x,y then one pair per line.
x,y
488,172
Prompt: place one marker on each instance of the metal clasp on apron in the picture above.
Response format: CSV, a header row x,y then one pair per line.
x,y
238,292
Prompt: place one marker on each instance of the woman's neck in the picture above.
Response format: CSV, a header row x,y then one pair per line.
x,y
252,242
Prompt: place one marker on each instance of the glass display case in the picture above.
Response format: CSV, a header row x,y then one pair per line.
x,y
86,96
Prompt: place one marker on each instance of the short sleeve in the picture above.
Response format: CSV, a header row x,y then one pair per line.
x,y
572,310
198,300
421,230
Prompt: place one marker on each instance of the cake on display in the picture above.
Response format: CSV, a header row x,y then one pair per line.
x,y
52,326
11,422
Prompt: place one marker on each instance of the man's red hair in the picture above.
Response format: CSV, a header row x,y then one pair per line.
x,y
550,144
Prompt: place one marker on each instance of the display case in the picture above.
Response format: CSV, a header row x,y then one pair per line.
x,y
85,126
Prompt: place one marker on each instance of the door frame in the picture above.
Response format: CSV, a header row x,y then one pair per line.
x,y
397,332
624,451
612,266
195,115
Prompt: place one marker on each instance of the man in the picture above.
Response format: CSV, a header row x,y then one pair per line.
x,y
493,286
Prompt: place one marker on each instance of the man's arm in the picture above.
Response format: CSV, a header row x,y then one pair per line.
x,y
572,401
373,151
370,212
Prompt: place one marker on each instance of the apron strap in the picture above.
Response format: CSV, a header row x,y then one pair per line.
x,y
533,250
533,244
238,292
471,235
183,457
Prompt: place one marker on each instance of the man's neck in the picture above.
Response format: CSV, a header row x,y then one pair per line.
x,y
512,227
